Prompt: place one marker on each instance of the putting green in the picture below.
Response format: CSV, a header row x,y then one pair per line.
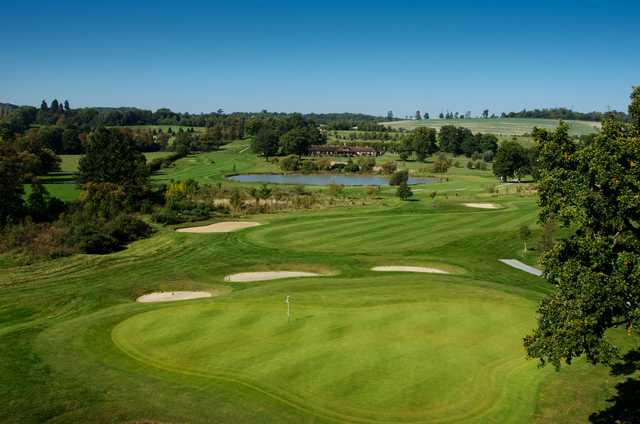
x,y
452,353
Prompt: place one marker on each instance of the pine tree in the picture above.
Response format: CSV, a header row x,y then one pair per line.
x,y
43,105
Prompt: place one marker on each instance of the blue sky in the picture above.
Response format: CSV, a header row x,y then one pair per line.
x,y
329,56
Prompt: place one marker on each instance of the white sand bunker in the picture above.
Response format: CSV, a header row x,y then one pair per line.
x,y
395,268
173,296
219,227
245,277
482,205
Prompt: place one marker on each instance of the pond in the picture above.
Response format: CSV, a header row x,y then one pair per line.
x,y
314,179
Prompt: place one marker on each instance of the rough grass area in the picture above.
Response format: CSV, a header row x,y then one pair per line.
x,y
502,126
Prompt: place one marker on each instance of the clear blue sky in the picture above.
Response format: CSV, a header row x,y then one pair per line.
x,y
329,56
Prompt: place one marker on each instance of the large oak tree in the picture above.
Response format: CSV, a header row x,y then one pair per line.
x,y
593,188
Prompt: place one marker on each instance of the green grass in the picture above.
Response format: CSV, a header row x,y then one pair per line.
x,y
501,126
63,185
361,346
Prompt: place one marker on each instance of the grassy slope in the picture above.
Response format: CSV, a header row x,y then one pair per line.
x,y
502,126
62,184
363,346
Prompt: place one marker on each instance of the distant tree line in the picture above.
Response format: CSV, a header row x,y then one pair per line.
x,y
566,114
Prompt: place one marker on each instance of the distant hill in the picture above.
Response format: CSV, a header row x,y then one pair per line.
x,y
500,126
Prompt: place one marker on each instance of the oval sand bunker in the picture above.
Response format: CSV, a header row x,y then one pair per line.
x,y
482,205
245,277
395,268
173,296
219,227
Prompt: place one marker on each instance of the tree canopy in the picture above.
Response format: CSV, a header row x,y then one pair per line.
x,y
593,188
511,160
113,158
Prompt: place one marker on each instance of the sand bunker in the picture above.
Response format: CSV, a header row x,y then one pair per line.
x,y
245,277
395,268
219,227
173,296
482,205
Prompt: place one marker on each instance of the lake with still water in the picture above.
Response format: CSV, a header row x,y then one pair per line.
x,y
314,179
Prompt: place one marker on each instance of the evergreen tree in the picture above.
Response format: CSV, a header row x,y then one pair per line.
x,y
404,191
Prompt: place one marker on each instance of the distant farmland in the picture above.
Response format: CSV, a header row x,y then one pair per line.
x,y
502,126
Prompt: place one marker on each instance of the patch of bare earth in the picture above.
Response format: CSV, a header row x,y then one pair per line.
x,y
397,268
219,227
481,205
245,277
174,296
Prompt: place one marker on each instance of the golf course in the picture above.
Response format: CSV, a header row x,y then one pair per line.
x,y
443,344
286,212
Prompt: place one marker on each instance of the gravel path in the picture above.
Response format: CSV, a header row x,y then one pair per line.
x,y
521,266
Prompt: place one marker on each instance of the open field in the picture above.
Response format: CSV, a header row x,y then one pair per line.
x,y
361,346
499,126
62,184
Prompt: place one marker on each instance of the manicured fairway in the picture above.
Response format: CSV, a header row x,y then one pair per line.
x,y
361,346
346,357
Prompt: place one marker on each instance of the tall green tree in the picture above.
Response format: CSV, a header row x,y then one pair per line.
x,y
593,189
511,160
424,142
266,142
111,157
12,178
298,140
449,139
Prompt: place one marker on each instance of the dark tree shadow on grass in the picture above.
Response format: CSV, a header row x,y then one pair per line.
x,y
625,404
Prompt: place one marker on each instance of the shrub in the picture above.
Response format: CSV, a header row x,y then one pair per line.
x,y
399,177
389,167
290,163
488,156
470,164
404,191
166,216
126,228
367,164
308,166
335,190
323,164
99,235
351,167
441,164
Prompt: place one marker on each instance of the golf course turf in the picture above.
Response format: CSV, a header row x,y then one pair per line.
x,y
360,346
